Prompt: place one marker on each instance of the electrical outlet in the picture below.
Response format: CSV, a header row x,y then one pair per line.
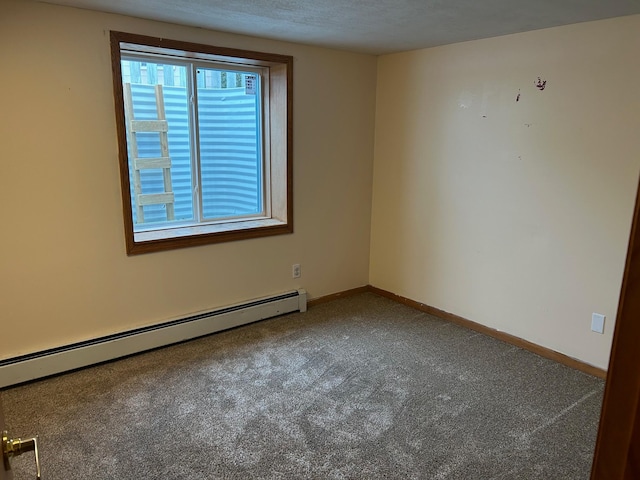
x,y
295,270
597,322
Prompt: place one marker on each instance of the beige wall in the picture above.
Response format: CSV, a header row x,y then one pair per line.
x,y
513,214
65,276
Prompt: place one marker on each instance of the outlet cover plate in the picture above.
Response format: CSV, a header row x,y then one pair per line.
x,y
295,270
597,323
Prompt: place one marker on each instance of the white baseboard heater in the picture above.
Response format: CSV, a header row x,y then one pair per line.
x,y
70,357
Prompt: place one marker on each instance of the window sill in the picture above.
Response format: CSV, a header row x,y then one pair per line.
x,y
172,238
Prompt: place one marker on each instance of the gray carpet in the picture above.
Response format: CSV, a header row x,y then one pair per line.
x,y
359,388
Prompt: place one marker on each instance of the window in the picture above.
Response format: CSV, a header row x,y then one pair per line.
x,y
205,145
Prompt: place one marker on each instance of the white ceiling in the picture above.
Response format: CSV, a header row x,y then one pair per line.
x,y
368,26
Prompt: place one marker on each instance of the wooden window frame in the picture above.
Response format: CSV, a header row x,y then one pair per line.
x,y
280,144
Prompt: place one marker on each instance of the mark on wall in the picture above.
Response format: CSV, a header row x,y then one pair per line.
x,y
540,84
465,100
518,97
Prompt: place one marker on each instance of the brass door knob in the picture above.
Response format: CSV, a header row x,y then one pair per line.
x,y
13,447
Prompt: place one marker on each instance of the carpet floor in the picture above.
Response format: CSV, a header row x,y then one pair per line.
x,y
358,388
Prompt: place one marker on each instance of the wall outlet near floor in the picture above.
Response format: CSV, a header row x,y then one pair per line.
x,y
597,322
295,270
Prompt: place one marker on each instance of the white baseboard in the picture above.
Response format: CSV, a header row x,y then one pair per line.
x,y
70,357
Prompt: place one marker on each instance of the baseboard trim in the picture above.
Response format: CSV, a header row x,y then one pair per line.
x,y
505,337
335,296
71,357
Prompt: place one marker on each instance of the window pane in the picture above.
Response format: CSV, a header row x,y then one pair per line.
x,y
238,183
229,134
143,76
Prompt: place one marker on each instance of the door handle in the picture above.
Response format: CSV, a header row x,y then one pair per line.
x,y
13,447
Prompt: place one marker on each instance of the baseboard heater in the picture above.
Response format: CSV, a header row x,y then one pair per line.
x,y
70,357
